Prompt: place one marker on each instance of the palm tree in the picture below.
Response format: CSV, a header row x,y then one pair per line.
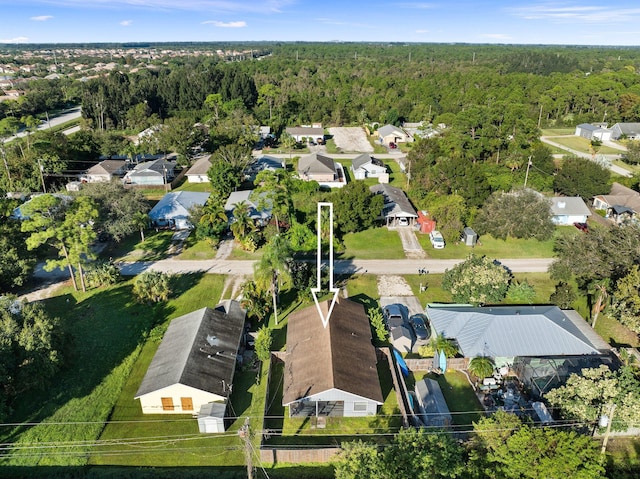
x,y
481,367
242,223
599,289
440,343
141,221
272,268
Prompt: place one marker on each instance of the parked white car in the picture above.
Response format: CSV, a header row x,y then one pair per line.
x,y
437,241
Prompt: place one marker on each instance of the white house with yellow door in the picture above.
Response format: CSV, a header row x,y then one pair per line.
x,y
192,371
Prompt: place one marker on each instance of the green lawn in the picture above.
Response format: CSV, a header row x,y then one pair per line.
x,y
197,250
557,131
615,333
153,248
461,399
583,145
199,187
494,248
374,243
106,331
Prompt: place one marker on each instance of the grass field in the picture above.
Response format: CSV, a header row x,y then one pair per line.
x,y
557,131
153,248
106,331
494,248
197,250
583,145
374,243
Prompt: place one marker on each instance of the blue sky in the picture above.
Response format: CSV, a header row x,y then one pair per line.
x,y
581,22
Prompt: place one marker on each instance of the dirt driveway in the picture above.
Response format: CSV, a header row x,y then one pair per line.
x,y
351,139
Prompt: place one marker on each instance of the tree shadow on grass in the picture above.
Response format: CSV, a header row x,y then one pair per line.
x,y
181,283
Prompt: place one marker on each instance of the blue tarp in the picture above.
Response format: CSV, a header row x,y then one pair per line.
x,y
401,363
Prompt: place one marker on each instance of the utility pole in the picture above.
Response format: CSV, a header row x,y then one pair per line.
x,y
606,434
409,56
526,176
245,434
540,116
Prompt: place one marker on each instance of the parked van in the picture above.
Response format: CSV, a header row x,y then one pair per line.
x,y
437,240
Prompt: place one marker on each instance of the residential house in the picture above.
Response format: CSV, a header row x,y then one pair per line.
x,y
320,168
569,210
365,166
331,371
304,133
104,172
594,131
419,130
174,209
261,164
432,406
621,204
393,134
151,173
630,131
260,215
542,344
397,209
192,371
198,172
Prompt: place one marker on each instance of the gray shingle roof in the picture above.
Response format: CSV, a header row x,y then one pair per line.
x,y
198,350
178,204
569,205
390,129
316,163
201,166
509,331
396,203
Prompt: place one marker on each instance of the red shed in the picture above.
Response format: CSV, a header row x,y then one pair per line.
x,y
427,225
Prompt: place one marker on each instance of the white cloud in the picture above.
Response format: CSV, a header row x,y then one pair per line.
x,y
577,13
41,18
216,23
422,31
126,23
14,40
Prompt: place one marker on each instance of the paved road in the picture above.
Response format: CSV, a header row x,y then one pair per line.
x,y
616,169
69,115
376,267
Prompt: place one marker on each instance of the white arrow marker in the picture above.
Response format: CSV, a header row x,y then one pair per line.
x,y
317,289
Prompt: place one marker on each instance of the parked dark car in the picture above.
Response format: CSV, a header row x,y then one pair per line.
x,y
582,226
395,315
419,324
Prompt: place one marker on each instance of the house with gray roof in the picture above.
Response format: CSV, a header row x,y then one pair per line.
x,y
630,131
263,163
259,214
396,205
331,371
195,363
321,168
302,133
174,209
198,171
541,344
567,210
104,171
594,131
393,134
365,166
155,172
621,204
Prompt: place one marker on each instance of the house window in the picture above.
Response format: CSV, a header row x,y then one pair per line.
x,y
360,406
167,404
187,404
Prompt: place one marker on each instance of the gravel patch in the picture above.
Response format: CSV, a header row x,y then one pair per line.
x,y
351,139
390,285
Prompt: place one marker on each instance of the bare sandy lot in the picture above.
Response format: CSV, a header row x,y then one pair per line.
x,y
351,139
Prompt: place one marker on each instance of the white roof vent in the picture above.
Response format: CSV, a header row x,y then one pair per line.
x,y
562,204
